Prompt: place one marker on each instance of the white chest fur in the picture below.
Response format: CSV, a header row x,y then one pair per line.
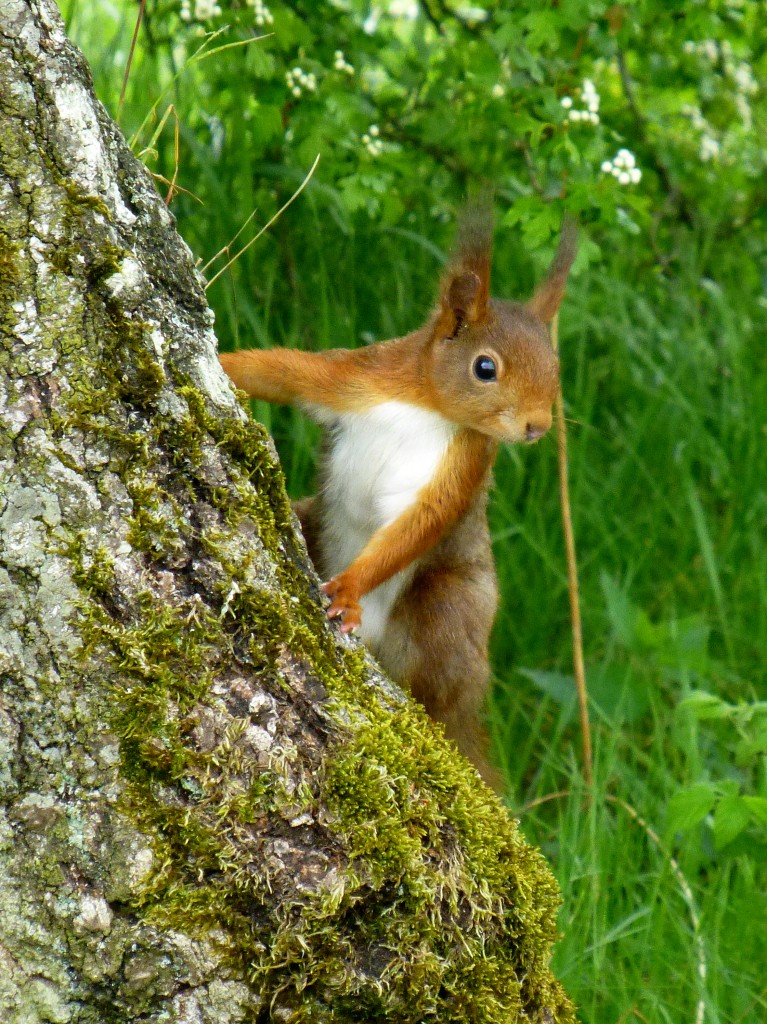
x,y
377,463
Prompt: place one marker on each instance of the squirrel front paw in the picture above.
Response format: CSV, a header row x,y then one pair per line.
x,y
343,603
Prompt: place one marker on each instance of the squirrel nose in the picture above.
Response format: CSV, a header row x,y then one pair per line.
x,y
533,431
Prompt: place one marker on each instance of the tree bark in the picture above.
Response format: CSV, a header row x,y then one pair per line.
x,y
214,807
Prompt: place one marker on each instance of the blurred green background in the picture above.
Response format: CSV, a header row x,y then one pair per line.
x,y
647,120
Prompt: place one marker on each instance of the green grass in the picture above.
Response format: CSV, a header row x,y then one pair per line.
x,y
665,381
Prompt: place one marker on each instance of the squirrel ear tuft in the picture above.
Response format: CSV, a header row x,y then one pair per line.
x,y
548,295
466,286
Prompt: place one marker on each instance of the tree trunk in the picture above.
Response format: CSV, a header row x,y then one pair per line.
x,y
215,808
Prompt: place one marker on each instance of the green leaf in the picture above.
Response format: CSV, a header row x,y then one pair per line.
x,y
732,815
543,27
521,210
262,62
620,611
757,808
588,252
689,807
266,124
705,705
618,692
752,746
559,687
539,227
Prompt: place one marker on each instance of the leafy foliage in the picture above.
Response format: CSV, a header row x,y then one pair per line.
x,y
398,98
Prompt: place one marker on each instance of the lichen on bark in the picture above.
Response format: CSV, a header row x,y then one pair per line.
x,y
214,807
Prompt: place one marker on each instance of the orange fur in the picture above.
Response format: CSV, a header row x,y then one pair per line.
x,y
436,633
438,506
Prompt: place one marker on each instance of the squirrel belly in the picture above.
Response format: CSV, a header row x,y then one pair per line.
x,y
375,465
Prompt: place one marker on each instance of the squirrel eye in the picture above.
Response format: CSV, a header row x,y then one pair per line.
x,y
484,368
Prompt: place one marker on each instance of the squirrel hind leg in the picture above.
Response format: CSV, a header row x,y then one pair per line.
x,y
306,511
438,645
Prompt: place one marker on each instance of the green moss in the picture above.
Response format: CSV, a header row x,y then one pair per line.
x,y
79,202
155,524
10,278
260,488
441,909
91,571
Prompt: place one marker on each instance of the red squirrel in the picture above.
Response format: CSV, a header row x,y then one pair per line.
x,y
398,527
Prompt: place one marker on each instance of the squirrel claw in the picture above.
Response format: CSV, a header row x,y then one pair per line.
x,y
343,605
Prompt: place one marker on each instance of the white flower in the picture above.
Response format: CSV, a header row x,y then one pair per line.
x,y
403,9
709,148
204,10
340,63
263,16
371,140
708,48
590,96
744,109
474,15
297,80
694,114
623,168
590,99
498,91
744,79
625,158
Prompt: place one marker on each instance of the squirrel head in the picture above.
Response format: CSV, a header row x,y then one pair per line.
x,y
492,366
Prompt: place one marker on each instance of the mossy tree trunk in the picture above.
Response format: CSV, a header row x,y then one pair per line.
x,y
214,808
